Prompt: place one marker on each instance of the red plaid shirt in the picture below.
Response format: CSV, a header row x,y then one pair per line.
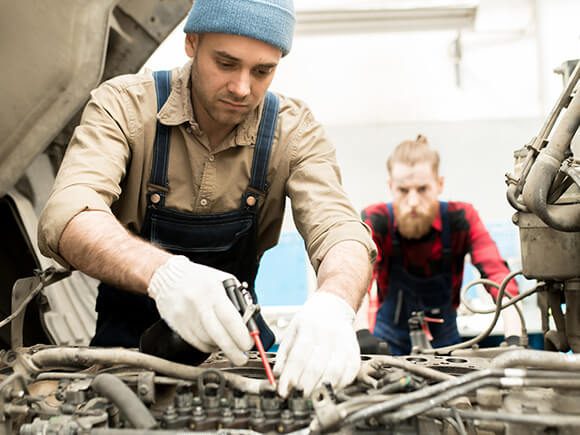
x,y
422,257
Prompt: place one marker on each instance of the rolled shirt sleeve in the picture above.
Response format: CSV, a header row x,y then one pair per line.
x,y
321,209
92,169
485,254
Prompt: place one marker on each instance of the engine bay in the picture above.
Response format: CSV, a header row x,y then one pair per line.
x,y
76,390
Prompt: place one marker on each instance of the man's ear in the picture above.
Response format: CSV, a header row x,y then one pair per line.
x,y
191,42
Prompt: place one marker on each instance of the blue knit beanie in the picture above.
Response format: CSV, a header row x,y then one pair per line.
x,y
270,21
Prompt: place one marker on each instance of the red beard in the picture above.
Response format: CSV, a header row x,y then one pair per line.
x,y
415,227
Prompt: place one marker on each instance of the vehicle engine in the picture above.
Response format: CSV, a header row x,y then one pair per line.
x,y
461,389
66,390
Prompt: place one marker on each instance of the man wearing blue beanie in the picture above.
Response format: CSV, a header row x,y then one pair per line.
x,y
176,181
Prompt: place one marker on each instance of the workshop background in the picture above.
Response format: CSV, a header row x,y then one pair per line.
x,y
476,77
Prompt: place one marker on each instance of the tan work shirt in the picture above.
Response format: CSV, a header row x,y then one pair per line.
x,y
108,162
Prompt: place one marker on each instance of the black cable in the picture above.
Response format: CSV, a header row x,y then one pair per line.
x,y
485,333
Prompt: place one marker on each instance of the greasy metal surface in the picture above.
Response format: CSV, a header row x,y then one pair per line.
x,y
48,67
448,364
546,252
57,395
155,17
544,174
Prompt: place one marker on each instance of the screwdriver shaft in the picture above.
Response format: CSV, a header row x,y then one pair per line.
x,y
256,336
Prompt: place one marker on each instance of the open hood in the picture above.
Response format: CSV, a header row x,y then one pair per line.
x,y
54,53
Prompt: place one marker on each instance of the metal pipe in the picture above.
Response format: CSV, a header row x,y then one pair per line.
x,y
421,400
555,112
542,419
546,167
427,392
539,141
537,359
86,357
116,391
571,171
513,201
508,381
426,372
572,320
462,390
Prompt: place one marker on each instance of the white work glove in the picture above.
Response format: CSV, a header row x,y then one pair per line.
x,y
320,346
192,300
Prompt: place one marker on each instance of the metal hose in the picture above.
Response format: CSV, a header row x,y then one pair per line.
x,y
515,187
86,357
421,401
542,420
114,389
547,165
537,358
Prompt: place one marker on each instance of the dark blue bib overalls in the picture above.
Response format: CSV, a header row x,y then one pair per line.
x,y
408,293
226,241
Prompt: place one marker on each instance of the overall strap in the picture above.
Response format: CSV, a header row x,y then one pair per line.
x,y
445,236
262,149
158,179
396,254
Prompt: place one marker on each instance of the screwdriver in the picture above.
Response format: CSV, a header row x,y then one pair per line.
x,y
241,298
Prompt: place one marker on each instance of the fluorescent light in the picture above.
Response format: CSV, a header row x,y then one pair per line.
x,y
384,15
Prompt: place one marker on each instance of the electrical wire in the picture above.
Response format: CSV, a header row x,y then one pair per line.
x,y
423,400
498,308
46,277
23,305
425,393
459,421
488,282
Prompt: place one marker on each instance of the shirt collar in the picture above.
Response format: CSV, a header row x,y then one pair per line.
x,y
178,109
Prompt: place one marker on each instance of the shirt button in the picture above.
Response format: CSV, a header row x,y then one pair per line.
x,y
189,130
211,158
203,202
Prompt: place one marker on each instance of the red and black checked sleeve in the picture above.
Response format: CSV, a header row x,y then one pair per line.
x,y
377,218
485,255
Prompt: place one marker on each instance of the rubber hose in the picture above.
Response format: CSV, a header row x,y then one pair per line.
x,y
125,399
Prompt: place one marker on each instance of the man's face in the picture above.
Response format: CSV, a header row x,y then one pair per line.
x,y
415,192
230,75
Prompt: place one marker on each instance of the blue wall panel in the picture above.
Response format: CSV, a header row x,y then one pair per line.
x,y
282,278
